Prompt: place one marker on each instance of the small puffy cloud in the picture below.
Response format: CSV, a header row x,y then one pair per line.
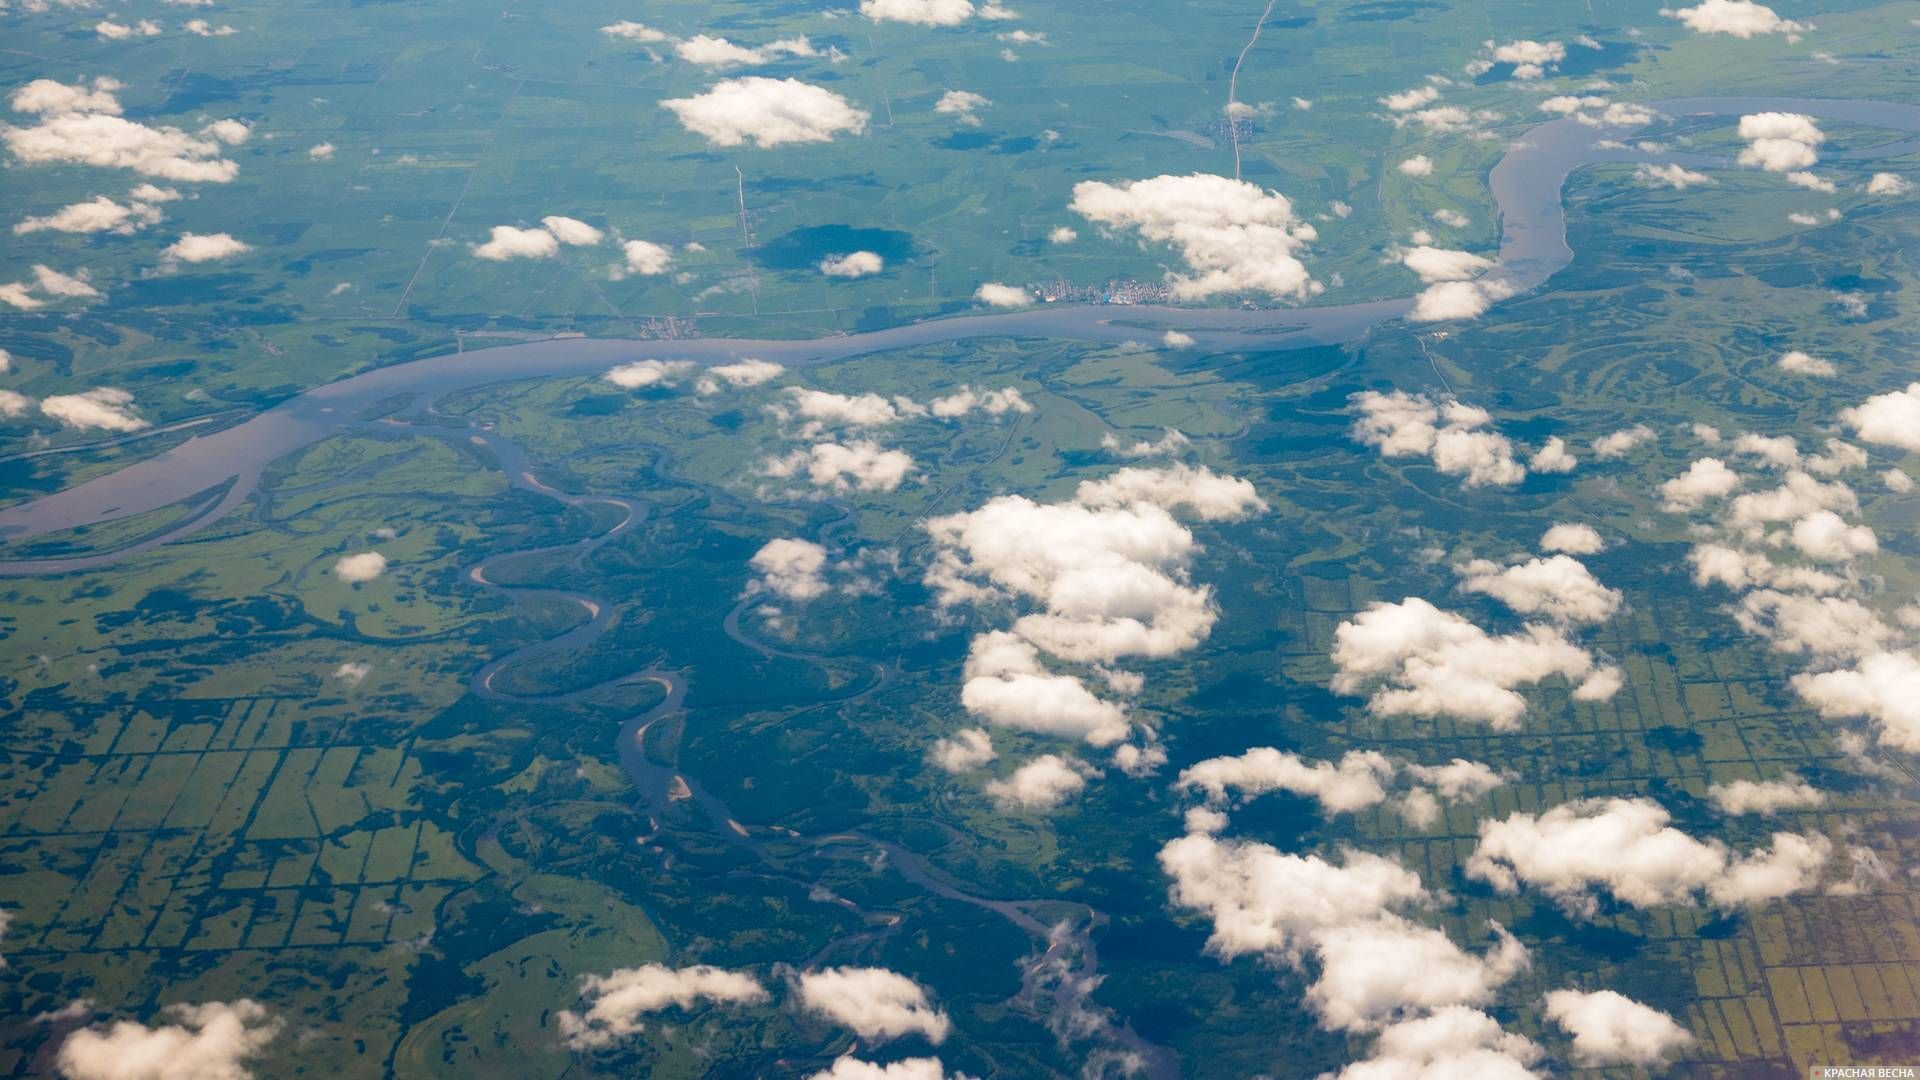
x,y
1041,784
1569,104
1812,183
642,373
571,231
740,374
1779,141
1609,1028
860,464
1061,234
1418,660
919,12
628,30
994,294
1800,363
1356,782
1407,100
1444,118
1883,687
1412,425
1530,59
13,403
1289,907
73,130
1553,457
852,265
616,1003
646,258
1886,183
1007,686
1825,536
1627,848
1451,300
212,1041
1827,627
1619,443
1171,443
203,28
1765,796
74,286
204,247
999,402
1840,457
1707,478
1207,494
1890,419
1417,165
321,151
1452,1042
363,567
963,104
1739,18
964,750
1115,539
47,97
99,214
709,51
1264,901
1573,539
767,112
822,407
1363,972
1434,264
231,132
1559,587
875,1003
790,569
17,295
1174,339
1673,176
113,31
353,672
508,242
105,407
1234,236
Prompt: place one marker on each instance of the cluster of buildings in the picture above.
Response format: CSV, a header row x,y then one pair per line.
x,y
1127,291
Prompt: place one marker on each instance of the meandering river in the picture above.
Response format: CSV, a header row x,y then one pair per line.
x,y
222,469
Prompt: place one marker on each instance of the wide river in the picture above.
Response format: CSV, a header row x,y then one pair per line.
x,y
1526,185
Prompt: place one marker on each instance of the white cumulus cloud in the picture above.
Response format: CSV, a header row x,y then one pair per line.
x,y
768,113
1609,1028
875,1003
1738,18
362,567
105,407
852,265
1234,236
210,1041
616,1003
1627,848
